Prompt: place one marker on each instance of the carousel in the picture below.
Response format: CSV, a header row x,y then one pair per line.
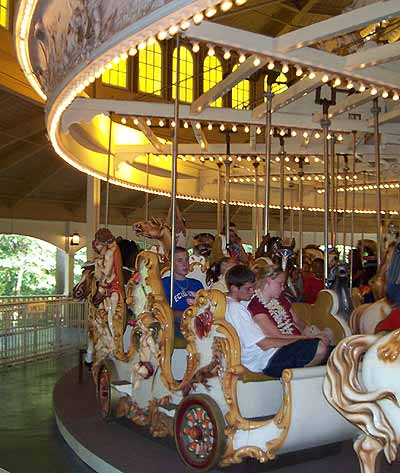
x,y
298,130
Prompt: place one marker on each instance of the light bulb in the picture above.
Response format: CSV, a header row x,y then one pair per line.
x,y
222,127
337,82
395,96
210,12
385,94
211,51
185,25
135,121
123,120
234,128
132,52
185,125
196,47
198,126
311,75
270,65
350,85
226,5
141,45
242,58
299,71
172,30
151,41
317,135
246,129
227,54
258,130
285,68
256,62
325,78
161,123
293,133
198,18
148,122
373,91
173,124
361,88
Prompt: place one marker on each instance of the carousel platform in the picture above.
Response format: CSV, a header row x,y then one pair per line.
x,y
122,447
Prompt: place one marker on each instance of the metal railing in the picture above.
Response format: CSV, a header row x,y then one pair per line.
x,y
40,327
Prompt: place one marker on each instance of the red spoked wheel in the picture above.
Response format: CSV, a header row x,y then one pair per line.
x,y
104,392
199,432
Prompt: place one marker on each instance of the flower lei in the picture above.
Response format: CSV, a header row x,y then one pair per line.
x,y
283,322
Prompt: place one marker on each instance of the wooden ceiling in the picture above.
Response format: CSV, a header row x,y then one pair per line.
x,y
37,184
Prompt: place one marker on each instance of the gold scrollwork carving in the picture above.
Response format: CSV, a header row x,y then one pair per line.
x,y
390,351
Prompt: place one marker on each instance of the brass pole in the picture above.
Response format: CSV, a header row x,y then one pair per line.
x,y
375,111
268,121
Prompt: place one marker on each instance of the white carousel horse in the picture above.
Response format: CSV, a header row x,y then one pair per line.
x,y
367,393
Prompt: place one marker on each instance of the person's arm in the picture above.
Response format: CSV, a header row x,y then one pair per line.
x,y
299,322
261,249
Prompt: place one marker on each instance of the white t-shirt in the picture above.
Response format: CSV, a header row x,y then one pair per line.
x,y
253,357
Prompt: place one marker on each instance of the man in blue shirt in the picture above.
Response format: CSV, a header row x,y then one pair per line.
x,y
184,288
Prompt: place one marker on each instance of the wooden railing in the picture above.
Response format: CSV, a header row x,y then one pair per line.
x,y
39,327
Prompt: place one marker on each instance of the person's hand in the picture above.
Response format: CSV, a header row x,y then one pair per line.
x,y
190,300
324,338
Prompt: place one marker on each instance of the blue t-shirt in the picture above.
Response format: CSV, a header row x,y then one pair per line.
x,y
184,289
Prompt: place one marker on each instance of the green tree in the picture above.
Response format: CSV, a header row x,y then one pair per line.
x,y
27,266
79,260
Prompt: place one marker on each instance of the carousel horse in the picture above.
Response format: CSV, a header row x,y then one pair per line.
x,y
202,244
155,229
101,315
340,285
366,317
363,385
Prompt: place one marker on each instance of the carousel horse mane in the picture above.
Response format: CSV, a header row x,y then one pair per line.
x,y
82,289
156,229
368,393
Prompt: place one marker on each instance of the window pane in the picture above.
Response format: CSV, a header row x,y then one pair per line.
x,y
185,74
116,76
279,85
212,74
241,93
4,11
150,73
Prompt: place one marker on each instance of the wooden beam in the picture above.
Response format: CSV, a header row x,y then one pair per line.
x,y
350,102
294,92
50,174
338,25
200,136
23,131
372,56
386,117
150,135
244,71
19,156
298,17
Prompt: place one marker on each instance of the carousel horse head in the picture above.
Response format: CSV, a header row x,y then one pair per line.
x,y
310,253
367,393
339,283
83,288
156,229
202,244
286,254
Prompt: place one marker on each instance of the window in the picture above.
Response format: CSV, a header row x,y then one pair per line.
x,y
212,74
150,69
241,93
4,11
279,86
117,75
185,74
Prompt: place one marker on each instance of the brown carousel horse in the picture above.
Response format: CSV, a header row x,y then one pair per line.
x,y
366,317
155,229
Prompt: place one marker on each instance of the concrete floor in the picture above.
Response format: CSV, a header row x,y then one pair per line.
x,y
30,441
29,438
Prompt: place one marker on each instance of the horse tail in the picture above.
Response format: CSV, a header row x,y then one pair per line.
x,y
343,390
355,317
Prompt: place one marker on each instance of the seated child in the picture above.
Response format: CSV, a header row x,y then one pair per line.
x,y
184,288
314,282
269,343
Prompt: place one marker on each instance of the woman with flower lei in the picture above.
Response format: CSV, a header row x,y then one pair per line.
x,y
288,334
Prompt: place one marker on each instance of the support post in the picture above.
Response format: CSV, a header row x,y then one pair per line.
x,y
353,204
333,195
219,204
301,175
227,186
325,123
255,209
345,175
268,122
375,111
173,172
282,155
108,172
93,192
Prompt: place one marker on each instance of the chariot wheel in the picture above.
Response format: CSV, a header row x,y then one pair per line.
x,y
199,432
104,391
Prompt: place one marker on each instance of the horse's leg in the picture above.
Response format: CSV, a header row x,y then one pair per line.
x,y
367,450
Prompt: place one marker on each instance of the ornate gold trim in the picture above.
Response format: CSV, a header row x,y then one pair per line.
x,y
389,352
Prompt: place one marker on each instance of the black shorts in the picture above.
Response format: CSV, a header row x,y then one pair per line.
x,y
295,355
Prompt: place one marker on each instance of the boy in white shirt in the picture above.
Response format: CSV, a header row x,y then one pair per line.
x,y
261,353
